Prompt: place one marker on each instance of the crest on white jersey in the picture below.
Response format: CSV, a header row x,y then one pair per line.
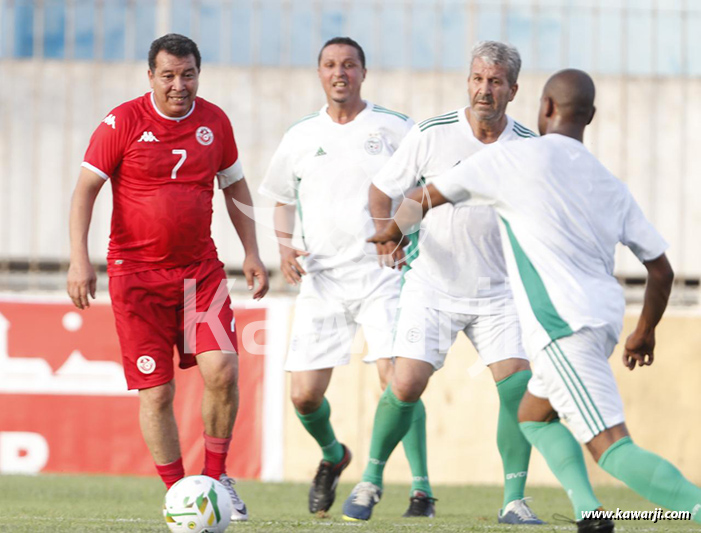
x,y
148,137
110,120
414,334
373,145
146,364
204,136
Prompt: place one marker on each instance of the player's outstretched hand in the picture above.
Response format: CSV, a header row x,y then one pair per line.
x,y
391,233
391,254
639,348
253,268
289,265
82,282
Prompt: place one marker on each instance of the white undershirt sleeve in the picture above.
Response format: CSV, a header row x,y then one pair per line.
x,y
230,175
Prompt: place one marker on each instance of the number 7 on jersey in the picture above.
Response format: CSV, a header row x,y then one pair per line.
x,y
183,157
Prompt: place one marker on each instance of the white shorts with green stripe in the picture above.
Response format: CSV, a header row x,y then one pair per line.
x,y
575,375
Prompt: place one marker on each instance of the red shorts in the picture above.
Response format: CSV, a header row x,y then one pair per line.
x,y
187,307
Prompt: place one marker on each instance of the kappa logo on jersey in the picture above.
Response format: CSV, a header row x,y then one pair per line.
x,y
148,137
110,120
204,136
146,364
319,152
373,145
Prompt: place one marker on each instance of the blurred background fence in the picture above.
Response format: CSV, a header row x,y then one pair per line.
x,y
66,63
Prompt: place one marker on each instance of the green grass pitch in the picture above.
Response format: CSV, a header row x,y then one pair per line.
x,y
90,504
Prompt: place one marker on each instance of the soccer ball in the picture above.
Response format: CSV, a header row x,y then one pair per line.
x,y
197,504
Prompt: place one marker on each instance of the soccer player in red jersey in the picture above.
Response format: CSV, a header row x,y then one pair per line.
x,y
161,152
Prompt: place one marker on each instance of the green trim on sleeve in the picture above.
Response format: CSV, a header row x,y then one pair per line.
x,y
379,109
439,118
303,119
424,128
523,131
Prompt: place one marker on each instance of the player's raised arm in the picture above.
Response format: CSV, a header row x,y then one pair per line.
x,y
410,213
640,345
82,280
245,225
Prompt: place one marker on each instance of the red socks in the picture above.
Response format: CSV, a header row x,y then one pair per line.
x,y
215,452
171,472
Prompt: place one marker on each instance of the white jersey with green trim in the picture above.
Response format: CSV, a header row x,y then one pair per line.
x,y
460,264
562,213
326,169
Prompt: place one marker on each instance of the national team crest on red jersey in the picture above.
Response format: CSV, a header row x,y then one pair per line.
x,y
204,136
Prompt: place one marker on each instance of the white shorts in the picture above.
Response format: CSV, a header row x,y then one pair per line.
x,y
574,374
426,333
328,313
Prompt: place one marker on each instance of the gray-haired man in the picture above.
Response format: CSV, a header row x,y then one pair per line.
x,y
456,282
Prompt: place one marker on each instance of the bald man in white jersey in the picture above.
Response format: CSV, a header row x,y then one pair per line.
x,y
323,169
562,214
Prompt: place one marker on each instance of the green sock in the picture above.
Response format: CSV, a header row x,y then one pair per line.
x,y
318,425
651,476
564,457
392,420
415,449
514,449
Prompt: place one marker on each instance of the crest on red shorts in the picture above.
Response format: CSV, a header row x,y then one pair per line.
x,y
146,364
204,136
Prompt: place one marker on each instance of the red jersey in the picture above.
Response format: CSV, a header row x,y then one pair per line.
x,y
162,171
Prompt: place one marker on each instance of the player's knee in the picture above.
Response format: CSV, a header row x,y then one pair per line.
x,y
221,374
407,389
157,399
526,411
384,370
533,409
306,401
523,414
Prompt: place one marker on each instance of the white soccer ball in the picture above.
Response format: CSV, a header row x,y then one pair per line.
x,y
197,504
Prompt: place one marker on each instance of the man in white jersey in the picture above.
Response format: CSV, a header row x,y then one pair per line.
x,y
457,281
323,168
562,214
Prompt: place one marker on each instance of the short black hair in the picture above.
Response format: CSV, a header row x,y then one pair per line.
x,y
344,40
176,45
